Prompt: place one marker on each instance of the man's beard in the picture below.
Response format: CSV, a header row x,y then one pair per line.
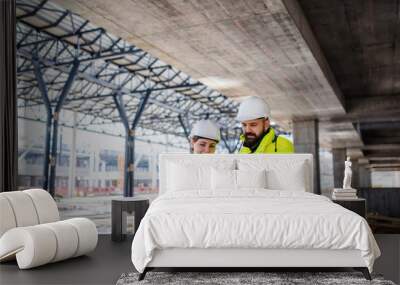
x,y
251,140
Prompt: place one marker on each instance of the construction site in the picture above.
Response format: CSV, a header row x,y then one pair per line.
x,y
103,89
94,93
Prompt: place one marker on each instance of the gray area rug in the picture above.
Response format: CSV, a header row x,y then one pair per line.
x,y
225,278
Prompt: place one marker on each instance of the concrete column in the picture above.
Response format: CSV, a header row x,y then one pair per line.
x,y
339,157
305,138
365,176
355,179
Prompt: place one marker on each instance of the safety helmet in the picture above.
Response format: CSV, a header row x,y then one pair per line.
x,y
253,108
206,129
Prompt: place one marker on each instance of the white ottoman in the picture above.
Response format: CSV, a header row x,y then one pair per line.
x,y
31,232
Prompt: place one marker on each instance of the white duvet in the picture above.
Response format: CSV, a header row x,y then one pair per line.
x,y
257,218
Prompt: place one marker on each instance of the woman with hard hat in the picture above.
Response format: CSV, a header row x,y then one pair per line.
x,y
258,136
204,137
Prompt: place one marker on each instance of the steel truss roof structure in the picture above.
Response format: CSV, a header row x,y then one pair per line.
x,y
65,62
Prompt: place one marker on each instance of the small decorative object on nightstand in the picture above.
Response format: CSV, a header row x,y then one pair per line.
x,y
347,192
348,173
357,205
120,208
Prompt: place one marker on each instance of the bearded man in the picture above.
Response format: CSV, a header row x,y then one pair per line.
x,y
258,135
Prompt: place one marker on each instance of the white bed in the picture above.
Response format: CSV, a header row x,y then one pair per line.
x,y
213,211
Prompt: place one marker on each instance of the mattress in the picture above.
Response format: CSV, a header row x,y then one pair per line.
x,y
250,219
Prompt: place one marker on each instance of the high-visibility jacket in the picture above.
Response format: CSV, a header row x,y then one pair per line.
x,y
271,143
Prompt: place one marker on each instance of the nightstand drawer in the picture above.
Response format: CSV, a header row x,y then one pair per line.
x,y
358,206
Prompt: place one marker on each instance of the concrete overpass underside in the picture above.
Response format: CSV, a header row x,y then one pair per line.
x,y
333,62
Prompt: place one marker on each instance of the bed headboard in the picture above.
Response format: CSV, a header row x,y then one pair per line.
x,y
271,159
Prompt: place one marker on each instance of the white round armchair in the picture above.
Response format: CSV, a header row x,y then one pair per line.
x,y
31,230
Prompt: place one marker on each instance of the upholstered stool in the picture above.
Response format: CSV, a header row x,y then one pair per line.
x,y
31,233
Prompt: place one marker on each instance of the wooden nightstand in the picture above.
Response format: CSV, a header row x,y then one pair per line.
x,y
358,205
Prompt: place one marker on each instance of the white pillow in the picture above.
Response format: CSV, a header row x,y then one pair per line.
x,y
223,179
292,178
226,180
193,174
251,178
282,174
182,177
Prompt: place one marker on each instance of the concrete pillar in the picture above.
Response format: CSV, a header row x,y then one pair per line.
x,y
339,157
326,171
305,138
365,176
355,179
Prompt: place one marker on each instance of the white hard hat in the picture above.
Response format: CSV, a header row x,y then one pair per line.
x,y
206,129
253,108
